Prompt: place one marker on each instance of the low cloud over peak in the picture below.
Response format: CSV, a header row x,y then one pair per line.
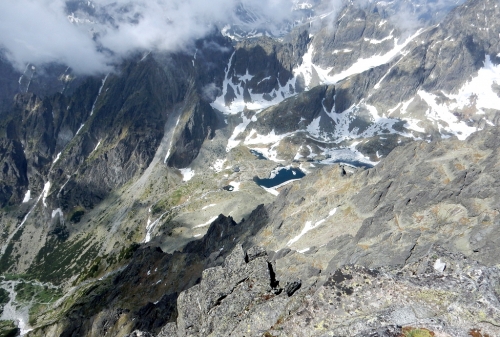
x,y
90,36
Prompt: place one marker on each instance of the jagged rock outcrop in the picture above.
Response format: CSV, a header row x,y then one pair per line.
x,y
443,292
228,299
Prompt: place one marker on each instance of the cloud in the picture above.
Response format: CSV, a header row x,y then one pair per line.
x,y
210,92
92,36
39,32
411,15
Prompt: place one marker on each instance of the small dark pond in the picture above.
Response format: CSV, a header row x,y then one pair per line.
x,y
283,175
258,155
354,163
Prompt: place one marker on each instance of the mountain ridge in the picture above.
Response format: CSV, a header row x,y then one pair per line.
x,y
158,165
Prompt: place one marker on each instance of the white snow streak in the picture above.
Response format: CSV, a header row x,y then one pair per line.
x,y
310,226
232,142
170,145
150,226
98,94
273,191
97,146
27,197
307,68
57,158
207,223
79,129
208,206
45,192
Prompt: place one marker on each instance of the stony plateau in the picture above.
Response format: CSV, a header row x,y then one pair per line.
x,y
133,202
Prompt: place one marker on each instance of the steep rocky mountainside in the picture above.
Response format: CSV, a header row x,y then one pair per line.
x,y
334,176
418,250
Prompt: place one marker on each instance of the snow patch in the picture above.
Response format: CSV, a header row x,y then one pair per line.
x,y
314,128
257,101
208,206
150,226
170,145
272,138
232,142
218,166
187,174
56,212
45,193
345,155
236,185
27,197
374,41
273,190
207,223
412,124
57,158
310,226
307,68
439,266
442,113
342,51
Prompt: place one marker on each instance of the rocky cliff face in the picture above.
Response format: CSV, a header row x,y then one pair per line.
x,y
165,198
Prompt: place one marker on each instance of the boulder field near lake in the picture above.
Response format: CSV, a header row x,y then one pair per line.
x,y
334,174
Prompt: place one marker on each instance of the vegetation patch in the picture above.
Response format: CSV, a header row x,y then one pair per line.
x,y
127,252
76,214
7,261
57,260
101,263
38,296
416,332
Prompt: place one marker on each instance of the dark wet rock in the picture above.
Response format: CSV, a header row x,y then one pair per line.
x,y
292,287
